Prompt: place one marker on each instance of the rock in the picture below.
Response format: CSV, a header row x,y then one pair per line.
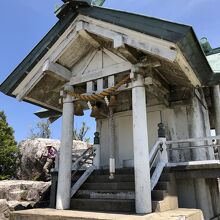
x,y
33,195
31,162
23,190
20,194
4,209
20,205
26,194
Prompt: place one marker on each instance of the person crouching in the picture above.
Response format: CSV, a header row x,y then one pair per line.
x,y
50,155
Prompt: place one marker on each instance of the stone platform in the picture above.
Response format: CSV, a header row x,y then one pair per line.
x,y
51,214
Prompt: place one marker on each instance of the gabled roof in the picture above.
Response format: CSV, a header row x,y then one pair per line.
x,y
213,51
22,70
182,35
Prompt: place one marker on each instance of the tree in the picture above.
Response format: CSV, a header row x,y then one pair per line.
x,y
8,149
80,135
42,130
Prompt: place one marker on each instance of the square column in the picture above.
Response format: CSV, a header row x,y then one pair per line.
x,y
65,162
197,130
216,98
141,148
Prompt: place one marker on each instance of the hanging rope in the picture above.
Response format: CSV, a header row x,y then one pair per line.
x,y
102,95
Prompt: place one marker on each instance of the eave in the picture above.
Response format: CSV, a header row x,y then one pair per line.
x,y
22,70
181,35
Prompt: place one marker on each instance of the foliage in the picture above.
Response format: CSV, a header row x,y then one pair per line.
x,y
41,130
81,133
8,149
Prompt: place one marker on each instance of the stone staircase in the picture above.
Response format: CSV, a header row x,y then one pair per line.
x,y
99,193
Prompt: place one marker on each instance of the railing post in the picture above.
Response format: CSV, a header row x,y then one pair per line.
x,y
97,149
163,147
164,154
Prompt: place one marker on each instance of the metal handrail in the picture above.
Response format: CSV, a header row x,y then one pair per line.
x,y
77,162
154,152
157,153
154,158
192,147
81,157
189,140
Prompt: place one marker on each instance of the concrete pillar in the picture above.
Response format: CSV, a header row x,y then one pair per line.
x,y
213,183
216,98
141,148
65,162
111,144
203,198
196,129
207,129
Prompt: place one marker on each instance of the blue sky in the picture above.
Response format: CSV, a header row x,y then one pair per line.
x,y
24,22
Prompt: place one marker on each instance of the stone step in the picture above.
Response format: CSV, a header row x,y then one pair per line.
x,y
105,194
117,171
52,214
108,205
168,203
158,195
105,178
106,171
108,186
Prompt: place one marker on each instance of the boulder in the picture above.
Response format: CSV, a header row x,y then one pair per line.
x,y
31,160
19,195
4,209
20,205
20,190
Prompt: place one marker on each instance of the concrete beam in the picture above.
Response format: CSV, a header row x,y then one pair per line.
x,y
58,70
119,39
108,71
89,38
157,89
